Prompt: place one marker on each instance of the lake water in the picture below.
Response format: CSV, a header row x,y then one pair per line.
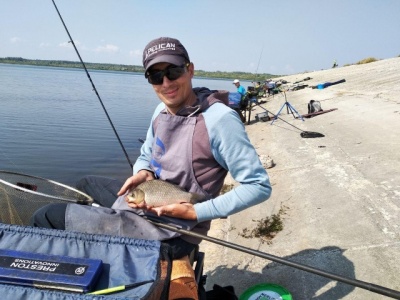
x,y
53,125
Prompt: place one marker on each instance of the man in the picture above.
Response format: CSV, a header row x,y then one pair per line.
x,y
240,89
243,104
189,143
271,86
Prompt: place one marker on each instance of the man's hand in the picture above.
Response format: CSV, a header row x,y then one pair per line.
x,y
135,180
181,211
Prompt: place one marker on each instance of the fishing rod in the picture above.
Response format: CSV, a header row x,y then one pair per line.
x,y
357,283
259,60
303,134
87,200
364,285
94,88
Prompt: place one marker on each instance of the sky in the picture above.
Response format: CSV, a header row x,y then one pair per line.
x,y
257,36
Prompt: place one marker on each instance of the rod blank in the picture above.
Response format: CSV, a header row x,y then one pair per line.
x,y
94,88
357,283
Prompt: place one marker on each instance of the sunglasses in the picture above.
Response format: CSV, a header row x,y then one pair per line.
x,y
172,73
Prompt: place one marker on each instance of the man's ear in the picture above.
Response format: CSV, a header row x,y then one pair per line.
x,y
191,70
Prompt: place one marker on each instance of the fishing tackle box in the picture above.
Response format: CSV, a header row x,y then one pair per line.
x,y
263,117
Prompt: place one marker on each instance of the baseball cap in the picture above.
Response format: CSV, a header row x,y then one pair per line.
x,y
164,49
236,81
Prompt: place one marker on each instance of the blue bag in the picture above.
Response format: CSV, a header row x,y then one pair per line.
x,y
235,100
125,261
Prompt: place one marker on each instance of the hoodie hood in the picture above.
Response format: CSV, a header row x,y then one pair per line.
x,y
205,98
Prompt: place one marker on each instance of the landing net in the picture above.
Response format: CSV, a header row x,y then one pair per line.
x,y
21,195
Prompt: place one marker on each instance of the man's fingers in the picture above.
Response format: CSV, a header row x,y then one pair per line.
x,y
124,188
157,210
135,180
182,211
127,185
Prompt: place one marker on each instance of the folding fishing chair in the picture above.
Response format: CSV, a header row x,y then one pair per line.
x,y
250,100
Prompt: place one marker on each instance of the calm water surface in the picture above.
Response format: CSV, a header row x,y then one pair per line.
x,y
53,125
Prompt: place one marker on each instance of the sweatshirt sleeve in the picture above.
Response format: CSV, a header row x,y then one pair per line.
x,y
232,149
143,161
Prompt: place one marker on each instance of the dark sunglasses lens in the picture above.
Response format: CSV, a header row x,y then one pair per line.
x,y
172,73
175,73
156,78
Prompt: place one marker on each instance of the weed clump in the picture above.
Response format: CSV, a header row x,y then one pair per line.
x,y
363,61
266,228
226,188
366,61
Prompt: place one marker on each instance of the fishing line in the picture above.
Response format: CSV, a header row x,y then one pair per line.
x,y
358,283
28,187
303,134
94,88
361,284
259,60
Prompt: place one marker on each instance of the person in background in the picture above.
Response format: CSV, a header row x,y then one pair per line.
x,y
241,110
189,143
271,85
240,89
259,90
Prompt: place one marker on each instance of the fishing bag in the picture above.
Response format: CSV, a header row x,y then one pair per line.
x,y
314,106
235,100
239,101
126,261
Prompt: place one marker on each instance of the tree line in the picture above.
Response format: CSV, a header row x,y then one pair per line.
x,y
131,68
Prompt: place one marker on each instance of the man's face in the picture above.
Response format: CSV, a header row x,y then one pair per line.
x,y
175,93
237,84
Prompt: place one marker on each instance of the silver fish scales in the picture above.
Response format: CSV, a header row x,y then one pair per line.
x,y
159,192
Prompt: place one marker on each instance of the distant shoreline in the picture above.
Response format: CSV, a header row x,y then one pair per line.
x,y
131,68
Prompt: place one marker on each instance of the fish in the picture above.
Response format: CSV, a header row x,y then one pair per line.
x,y
159,193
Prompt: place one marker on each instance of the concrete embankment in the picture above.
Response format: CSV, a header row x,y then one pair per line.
x,y
340,193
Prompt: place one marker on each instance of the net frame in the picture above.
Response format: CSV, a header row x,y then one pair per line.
x,y
21,195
